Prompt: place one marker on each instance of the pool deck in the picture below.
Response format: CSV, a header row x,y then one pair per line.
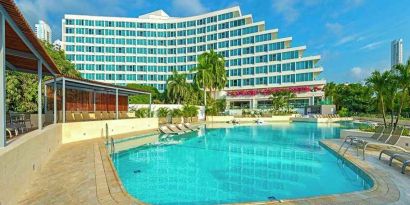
x,y
81,173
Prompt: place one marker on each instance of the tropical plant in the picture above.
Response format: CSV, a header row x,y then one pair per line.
x,y
177,87
281,100
210,72
59,57
344,112
142,113
176,113
402,75
144,98
163,112
189,111
379,81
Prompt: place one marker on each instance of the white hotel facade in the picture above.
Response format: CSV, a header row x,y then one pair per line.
x,y
146,50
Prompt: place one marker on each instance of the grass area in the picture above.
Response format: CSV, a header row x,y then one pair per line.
x,y
367,128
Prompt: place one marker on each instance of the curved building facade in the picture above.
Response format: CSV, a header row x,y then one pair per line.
x,y
146,50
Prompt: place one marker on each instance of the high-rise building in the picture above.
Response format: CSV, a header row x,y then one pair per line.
x,y
396,52
43,31
146,50
57,44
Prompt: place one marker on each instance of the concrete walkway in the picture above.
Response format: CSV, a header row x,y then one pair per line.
x,y
77,173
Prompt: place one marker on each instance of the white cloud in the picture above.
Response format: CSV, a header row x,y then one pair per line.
x,y
359,73
372,45
189,7
335,28
287,9
347,39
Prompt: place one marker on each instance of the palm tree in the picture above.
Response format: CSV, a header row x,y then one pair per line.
x,y
378,82
177,87
281,100
210,72
402,74
330,90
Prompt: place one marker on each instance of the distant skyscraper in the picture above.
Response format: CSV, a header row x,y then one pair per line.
x,y
57,44
43,31
396,52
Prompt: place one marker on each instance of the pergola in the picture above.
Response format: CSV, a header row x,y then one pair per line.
x,y
20,50
85,95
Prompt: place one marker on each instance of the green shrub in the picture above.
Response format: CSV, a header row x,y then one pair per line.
x,y
344,112
176,113
163,112
142,113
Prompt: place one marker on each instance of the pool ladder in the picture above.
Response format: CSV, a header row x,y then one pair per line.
x,y
112,145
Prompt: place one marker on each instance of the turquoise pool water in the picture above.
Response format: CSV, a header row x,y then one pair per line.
x,y
239,164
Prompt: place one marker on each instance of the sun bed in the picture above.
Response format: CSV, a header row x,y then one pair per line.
x,y
166,130
69,116
391,141
78,117
401,156
183,128
189,126
104,115
377,134
112,115
174,128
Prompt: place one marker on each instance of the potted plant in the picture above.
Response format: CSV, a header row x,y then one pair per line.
x,y
162,114
142,113
194,111
186,113
176,115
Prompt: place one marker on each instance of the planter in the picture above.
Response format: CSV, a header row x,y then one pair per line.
x,y
163,120
187,119
194,119
176,120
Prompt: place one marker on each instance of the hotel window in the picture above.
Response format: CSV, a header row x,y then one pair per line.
x,y
274,80
181,41
249,60
288,66
131,68
275,57
181,25
142,68
70,39
290,55
236,42
261,48
211,28
222,17
171,34
263,37
236,32
211,46
276,46
236,23
274,68
211,37
100,76
248,40
110,77
223,26
249,81
201,22
261,69
261,81
248,71
131,77
191,23
223,35
99,58
288,78
181,33
69,48
235,72
235,83
141,25
211,19
201,30
191,32
249,30
69,22
304,77
248,50
236,52
261,59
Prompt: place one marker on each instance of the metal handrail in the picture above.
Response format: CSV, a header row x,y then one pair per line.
x,y
112,146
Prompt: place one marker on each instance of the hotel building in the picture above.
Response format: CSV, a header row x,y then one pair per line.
x,y
43,31
396,52
146,50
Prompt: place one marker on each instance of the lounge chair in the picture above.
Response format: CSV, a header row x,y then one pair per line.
x,y
88,116
358,140
166,130
378,132
78,117
183,128
391,142
189,126
123,115
174,128
112,115
401,156
104,115
69,116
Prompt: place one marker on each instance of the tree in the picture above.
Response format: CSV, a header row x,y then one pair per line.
x,y
143,98
281,100
402,74
378,81
59,57
21,88
177,87
210,72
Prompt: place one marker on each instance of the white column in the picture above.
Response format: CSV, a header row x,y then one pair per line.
x,y
39,103
45,99
55,100
116,104
2,82
63,100
150,104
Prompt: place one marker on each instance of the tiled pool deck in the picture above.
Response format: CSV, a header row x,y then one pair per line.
x,y
81,173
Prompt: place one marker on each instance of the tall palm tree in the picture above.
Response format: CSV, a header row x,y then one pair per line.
x,y
210,72
330,90
402,74
177,87
378,81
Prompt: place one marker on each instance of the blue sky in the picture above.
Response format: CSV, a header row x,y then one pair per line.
x,y
352,36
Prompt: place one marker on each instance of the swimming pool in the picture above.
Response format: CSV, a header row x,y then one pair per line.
x,y
239,164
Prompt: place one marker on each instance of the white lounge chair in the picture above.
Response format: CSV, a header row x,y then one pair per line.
x,y
183,128
166,130
391,142
174,128
189,126
401,156
377,134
